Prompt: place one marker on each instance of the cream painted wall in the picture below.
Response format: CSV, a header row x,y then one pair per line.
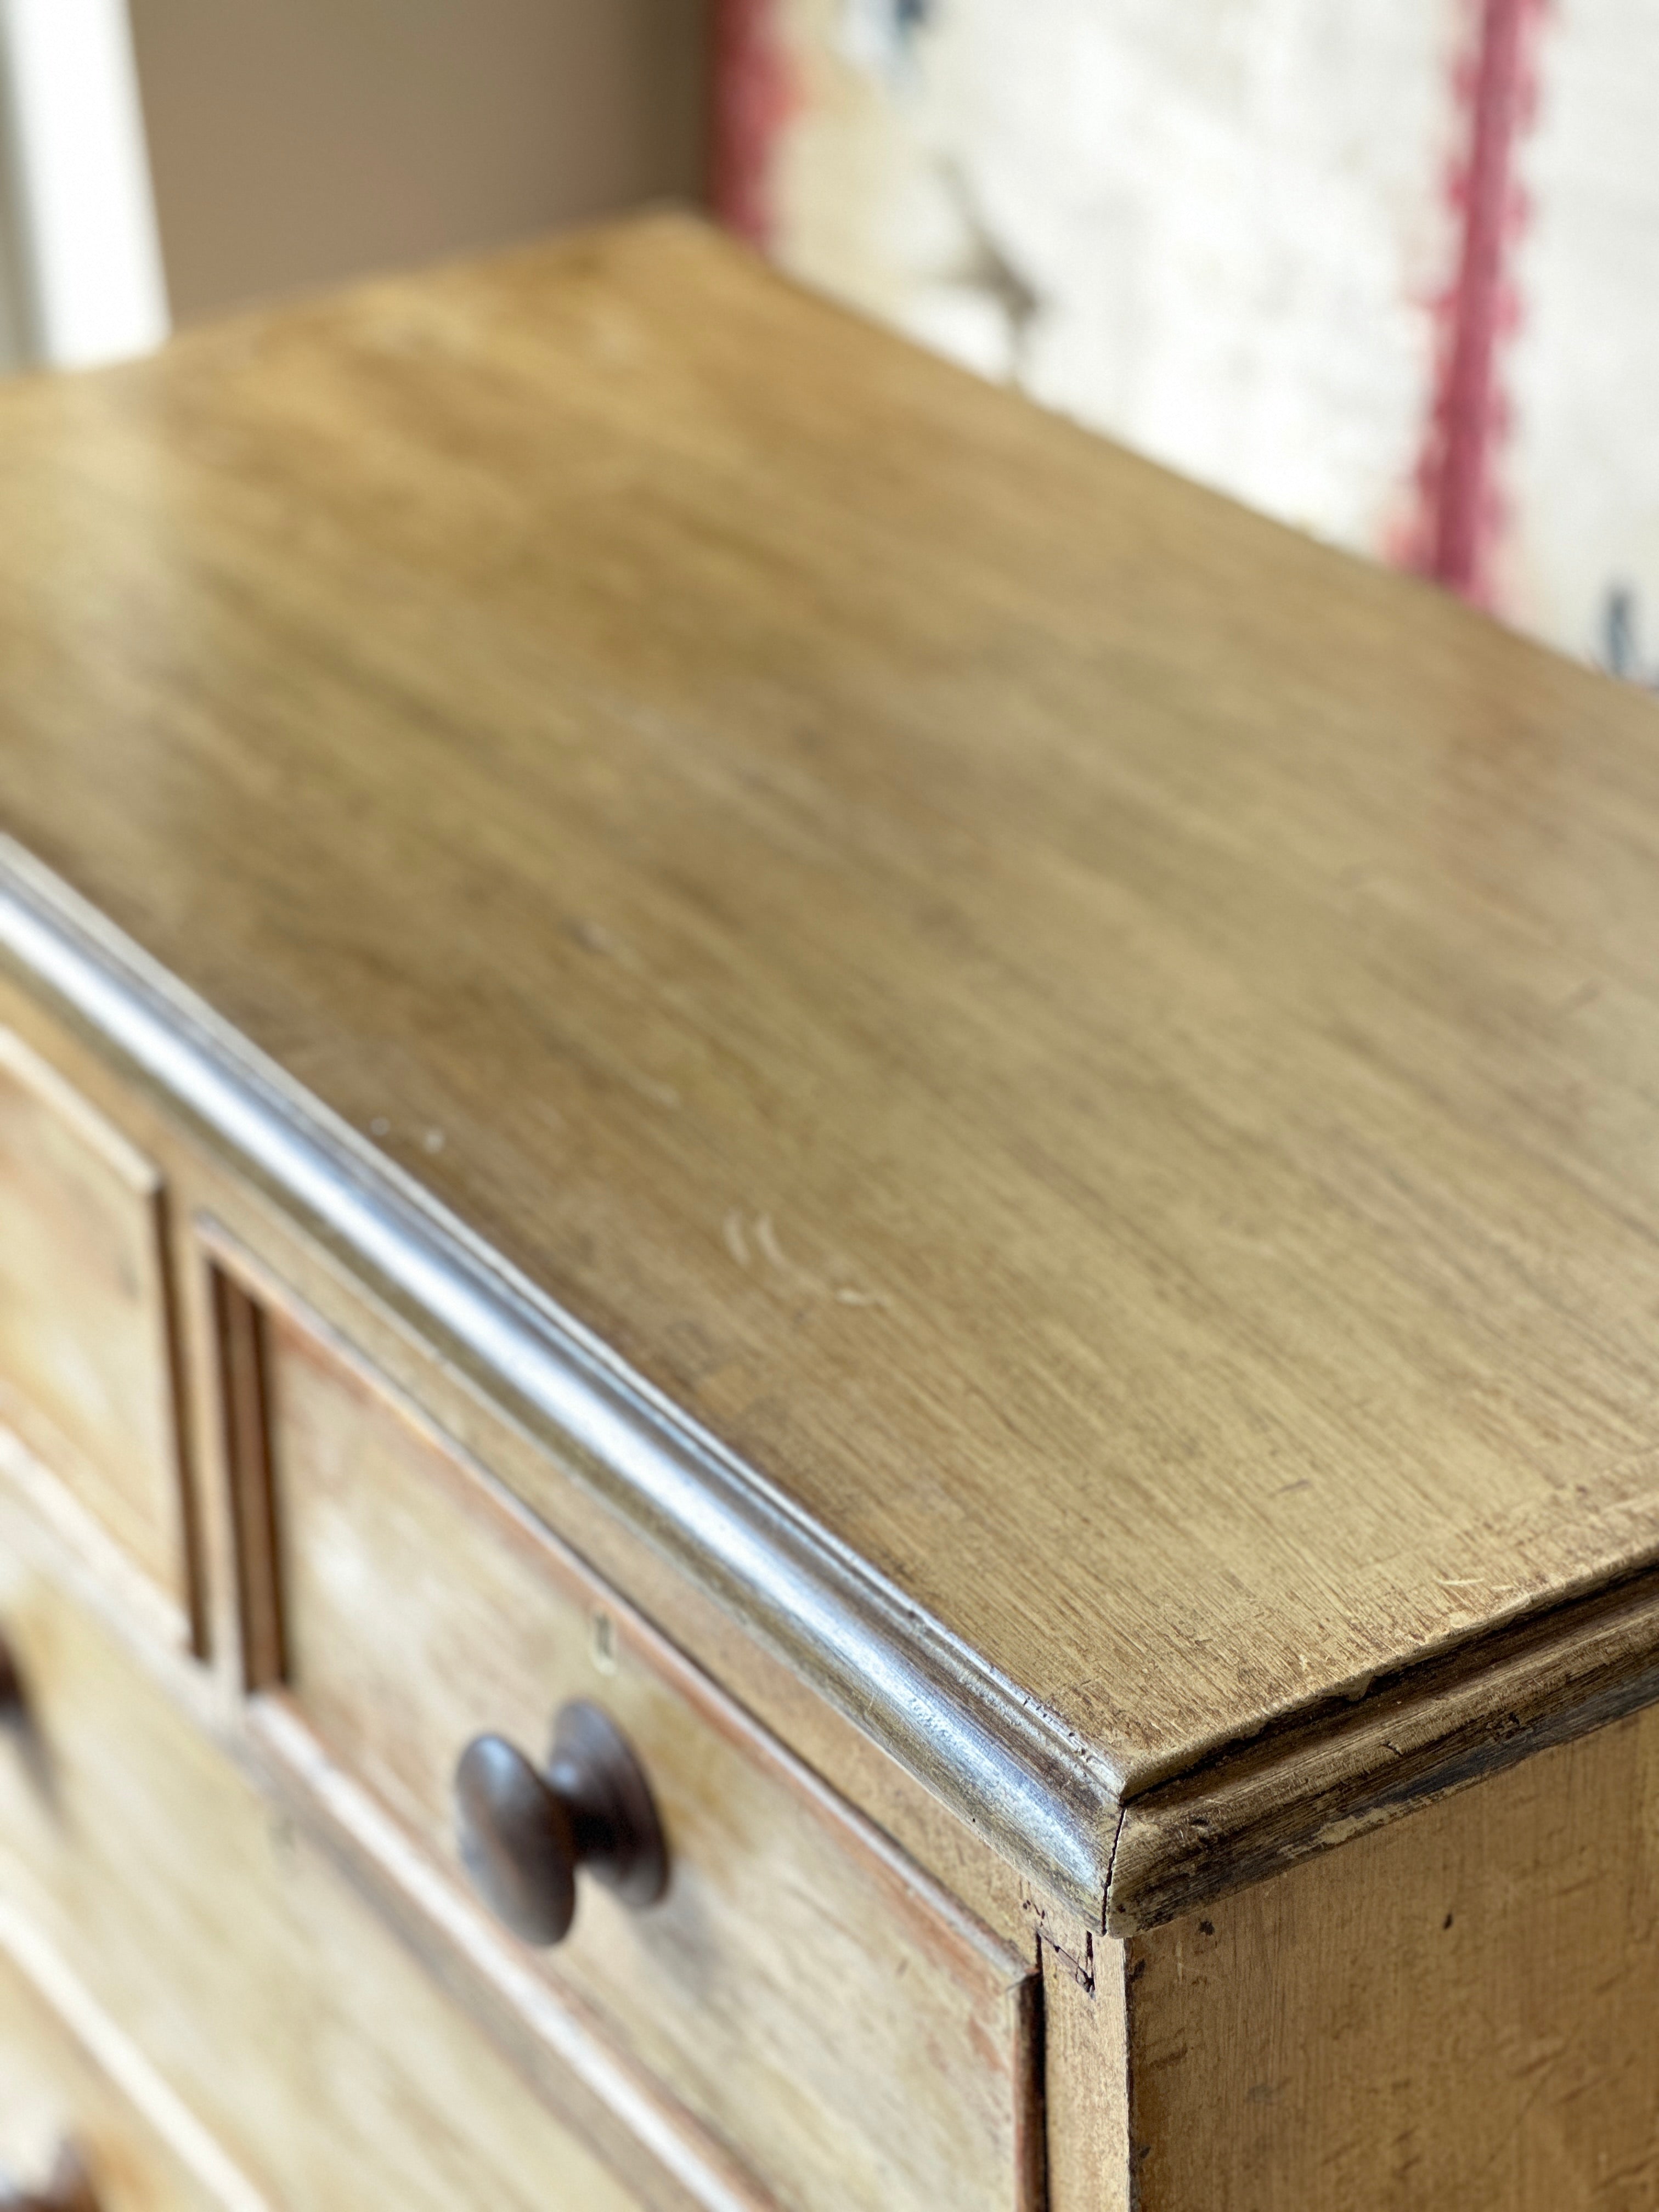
x,y
295,143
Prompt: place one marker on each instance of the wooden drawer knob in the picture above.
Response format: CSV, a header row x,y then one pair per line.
x,y
69,2190
11,1698
523,1831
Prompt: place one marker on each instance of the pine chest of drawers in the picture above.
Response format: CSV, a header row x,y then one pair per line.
x,y
828,1284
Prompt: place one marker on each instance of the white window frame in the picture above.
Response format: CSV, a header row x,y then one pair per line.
x,y
80,273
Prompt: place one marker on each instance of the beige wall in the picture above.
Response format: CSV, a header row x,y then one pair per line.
x,y
295,142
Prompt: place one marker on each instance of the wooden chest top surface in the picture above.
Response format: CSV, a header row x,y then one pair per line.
x,y
1107,1049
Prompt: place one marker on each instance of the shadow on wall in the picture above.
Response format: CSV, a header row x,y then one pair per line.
x,y
297,142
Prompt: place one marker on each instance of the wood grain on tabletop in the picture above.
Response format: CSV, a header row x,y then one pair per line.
x,y
1107,1047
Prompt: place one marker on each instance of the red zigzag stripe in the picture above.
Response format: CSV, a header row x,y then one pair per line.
x,y
1461,508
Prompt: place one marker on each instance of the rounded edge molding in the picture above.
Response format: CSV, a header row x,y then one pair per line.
x,y
991,1753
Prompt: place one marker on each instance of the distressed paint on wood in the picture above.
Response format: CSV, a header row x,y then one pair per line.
x,y
1087,2074
1456,2011
422,1609
221,1940
75,2090
86,1350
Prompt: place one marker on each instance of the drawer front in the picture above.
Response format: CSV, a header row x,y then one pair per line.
x,y
818,2003
237,1959
87,1376
86,2124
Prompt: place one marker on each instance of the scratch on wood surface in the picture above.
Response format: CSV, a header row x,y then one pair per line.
x,y
1079,1962
659,1094
1351,1825
736,1242
767,1237
737,1232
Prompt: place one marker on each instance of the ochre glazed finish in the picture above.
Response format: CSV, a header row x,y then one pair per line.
x,y
421,1606
1455,2011
85,1349
1106,1049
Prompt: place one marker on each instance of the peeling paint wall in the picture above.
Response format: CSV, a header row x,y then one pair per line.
x,y
1243,236
1189,227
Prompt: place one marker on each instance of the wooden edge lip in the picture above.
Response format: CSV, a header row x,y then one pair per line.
x,y
990,1753
1436,1728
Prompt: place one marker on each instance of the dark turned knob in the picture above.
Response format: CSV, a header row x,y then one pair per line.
x,y
524,1831
11,1706
69,2190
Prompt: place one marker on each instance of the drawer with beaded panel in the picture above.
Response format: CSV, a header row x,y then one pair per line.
x,y
88,1381
797,1982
